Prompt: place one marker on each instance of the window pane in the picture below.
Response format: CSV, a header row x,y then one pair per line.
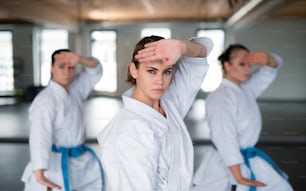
x,y
104,48
163,32
214,75
51,40
6,61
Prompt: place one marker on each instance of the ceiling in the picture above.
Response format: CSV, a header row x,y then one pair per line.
x,y
70,13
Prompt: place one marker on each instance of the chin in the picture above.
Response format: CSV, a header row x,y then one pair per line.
x,y
156,97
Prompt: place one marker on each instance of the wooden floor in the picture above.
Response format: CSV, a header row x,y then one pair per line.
x,y
283,136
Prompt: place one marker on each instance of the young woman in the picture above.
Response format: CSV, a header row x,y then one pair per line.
x,y
146,147
59,158
235,124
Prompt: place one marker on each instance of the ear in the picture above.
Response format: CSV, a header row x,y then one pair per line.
x,y
227,66
133,70
51,70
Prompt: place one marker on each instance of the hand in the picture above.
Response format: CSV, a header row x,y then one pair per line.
x,y
68,57
166,50
235,170
258,58
249,182
40,177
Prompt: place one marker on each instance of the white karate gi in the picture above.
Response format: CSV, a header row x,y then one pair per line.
x,y
144,151
235,122
57,118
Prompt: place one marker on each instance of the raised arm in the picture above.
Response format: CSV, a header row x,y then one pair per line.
x,y
171,50
261,59
74,59
268,66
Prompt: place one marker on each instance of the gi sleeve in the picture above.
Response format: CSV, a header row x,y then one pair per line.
x,y
262,78
86,80
221,116
41,116
188,78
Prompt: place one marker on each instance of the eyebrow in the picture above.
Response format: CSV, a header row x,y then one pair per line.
x,y
151,67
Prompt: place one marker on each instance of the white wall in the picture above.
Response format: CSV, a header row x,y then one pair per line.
x,y
286,38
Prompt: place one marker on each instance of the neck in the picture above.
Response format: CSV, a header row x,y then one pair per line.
x,y
233,80
155,104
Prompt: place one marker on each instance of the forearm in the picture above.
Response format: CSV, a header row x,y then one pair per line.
x,y
235,170
89,61
271,61
193,49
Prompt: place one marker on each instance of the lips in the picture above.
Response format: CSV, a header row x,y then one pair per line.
x,y
158,90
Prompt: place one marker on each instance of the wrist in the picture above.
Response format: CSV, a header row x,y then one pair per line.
x,y
271,62
183,47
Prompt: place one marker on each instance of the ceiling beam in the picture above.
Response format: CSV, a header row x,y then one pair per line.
x,y
37,13
148,6
258,9
243,11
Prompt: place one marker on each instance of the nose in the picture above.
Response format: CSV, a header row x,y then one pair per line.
x,y
248,68
66,71
160,78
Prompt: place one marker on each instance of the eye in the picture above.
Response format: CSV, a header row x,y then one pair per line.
x,y
168,72
151,71
242,64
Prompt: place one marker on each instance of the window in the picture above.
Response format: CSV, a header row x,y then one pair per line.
x,y
104,48
214,75
6,61
51,40
163,32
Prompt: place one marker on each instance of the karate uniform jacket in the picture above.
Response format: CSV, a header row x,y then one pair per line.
x,y
235,123
141,150
56,117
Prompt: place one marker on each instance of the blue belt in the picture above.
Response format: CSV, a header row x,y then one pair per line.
x,y
74,152
252,152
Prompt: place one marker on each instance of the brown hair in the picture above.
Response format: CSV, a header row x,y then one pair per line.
x,y
226,55
57,52
139,46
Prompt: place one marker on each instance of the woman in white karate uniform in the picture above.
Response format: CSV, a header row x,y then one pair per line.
x,y
146,146
59,158
233,163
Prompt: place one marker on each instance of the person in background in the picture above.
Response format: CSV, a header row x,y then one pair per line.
x,y
146,146
59,158
234,120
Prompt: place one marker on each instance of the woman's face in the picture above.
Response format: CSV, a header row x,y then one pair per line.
x,y
236,70
62,73
152,80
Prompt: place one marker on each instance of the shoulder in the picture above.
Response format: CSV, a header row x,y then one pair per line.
x,y
223,94
45,99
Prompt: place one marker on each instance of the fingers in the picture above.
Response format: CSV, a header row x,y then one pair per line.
x,y
249,182
152,44
40,177
166,51
50,185
148,54
68,57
